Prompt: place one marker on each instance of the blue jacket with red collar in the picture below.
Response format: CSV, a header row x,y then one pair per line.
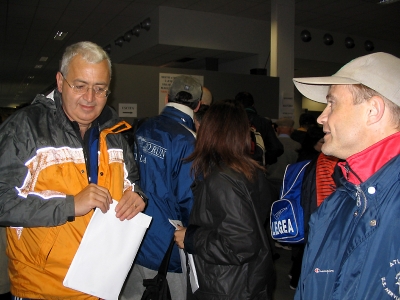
x,y
353,251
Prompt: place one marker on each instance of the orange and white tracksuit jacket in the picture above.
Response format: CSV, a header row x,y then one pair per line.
x,y
42,166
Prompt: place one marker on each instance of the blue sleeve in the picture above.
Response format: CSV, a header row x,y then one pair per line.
x,y
182,180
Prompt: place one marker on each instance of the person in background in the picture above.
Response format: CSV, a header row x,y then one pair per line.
x,y
275,127
312,143
225,232
353,246
276,171
273,146
52,178
207,97
198,115
306,121
163,142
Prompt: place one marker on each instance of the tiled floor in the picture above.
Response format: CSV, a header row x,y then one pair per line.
x,y
282,266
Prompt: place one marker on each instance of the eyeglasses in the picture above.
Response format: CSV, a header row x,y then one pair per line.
x,y
84,88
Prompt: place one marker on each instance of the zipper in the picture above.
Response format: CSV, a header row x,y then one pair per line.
x,y
360,193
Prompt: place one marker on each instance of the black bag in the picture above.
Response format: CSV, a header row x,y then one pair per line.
x,y
157,288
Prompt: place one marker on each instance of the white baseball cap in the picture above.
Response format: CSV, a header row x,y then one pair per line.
x,y
379,71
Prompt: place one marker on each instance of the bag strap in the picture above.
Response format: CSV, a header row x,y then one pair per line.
x,y
163,269
294,181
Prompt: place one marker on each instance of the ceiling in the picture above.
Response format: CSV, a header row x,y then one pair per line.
x,y
28,27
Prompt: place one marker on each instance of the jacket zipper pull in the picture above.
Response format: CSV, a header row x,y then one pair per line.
x,y
358,193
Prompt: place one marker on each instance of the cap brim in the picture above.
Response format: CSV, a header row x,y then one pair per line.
x,y
316,88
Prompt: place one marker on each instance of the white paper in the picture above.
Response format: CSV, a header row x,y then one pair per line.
x,y
194,283
106,253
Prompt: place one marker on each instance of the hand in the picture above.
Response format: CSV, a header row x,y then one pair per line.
x,y
180,236
91,197
129,205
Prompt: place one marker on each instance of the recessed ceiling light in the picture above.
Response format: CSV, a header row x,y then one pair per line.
x,y
60,35
381,1
387,1
31,77
43,58
38,66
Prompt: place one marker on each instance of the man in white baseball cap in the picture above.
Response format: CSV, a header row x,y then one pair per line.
x,y
353,250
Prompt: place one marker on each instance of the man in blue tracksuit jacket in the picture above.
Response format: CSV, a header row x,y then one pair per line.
x,y
164,142
353,249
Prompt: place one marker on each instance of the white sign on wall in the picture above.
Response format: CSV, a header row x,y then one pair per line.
x,y
165,81
286,109
127,110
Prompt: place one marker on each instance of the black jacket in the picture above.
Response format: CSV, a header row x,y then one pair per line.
x,y
227,237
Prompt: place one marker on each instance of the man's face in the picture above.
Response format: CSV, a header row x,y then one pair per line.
x,y
343,123
85,108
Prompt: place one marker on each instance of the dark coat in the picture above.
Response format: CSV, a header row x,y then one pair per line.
x,y
353,248
227,237
273,147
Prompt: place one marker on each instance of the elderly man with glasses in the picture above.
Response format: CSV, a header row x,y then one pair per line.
x,y
61,158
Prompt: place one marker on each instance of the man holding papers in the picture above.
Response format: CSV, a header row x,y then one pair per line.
x,y
61,158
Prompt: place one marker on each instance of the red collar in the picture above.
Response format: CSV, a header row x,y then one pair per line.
x,y
365,163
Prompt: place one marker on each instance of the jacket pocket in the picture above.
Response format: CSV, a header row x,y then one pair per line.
x,y
47,245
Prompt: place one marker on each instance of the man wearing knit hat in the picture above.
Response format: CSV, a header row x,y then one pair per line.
x,y
353,249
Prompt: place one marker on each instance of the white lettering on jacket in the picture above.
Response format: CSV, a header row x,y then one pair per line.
x,y
152,148
318,270
391,282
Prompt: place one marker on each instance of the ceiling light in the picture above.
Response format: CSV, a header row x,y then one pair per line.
x,y
368,45
387,1
305,36
43,58
128,36
136,30
107,48
60,35
349,43
328,39
146,24
38,66
381,1
119,41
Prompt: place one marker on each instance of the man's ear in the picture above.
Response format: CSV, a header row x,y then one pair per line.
x,y
376,109
198,106
60,81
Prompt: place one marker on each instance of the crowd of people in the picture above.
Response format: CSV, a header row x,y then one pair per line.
x,y
67,155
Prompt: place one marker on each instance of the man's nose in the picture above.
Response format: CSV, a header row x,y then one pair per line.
x,y
90,94
323,116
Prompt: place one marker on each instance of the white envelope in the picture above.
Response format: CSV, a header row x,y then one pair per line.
x,y
194,282
106,254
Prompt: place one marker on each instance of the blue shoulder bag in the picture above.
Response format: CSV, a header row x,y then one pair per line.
x,y
287,219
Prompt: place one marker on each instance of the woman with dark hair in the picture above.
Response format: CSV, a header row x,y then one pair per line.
x,y
225,233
